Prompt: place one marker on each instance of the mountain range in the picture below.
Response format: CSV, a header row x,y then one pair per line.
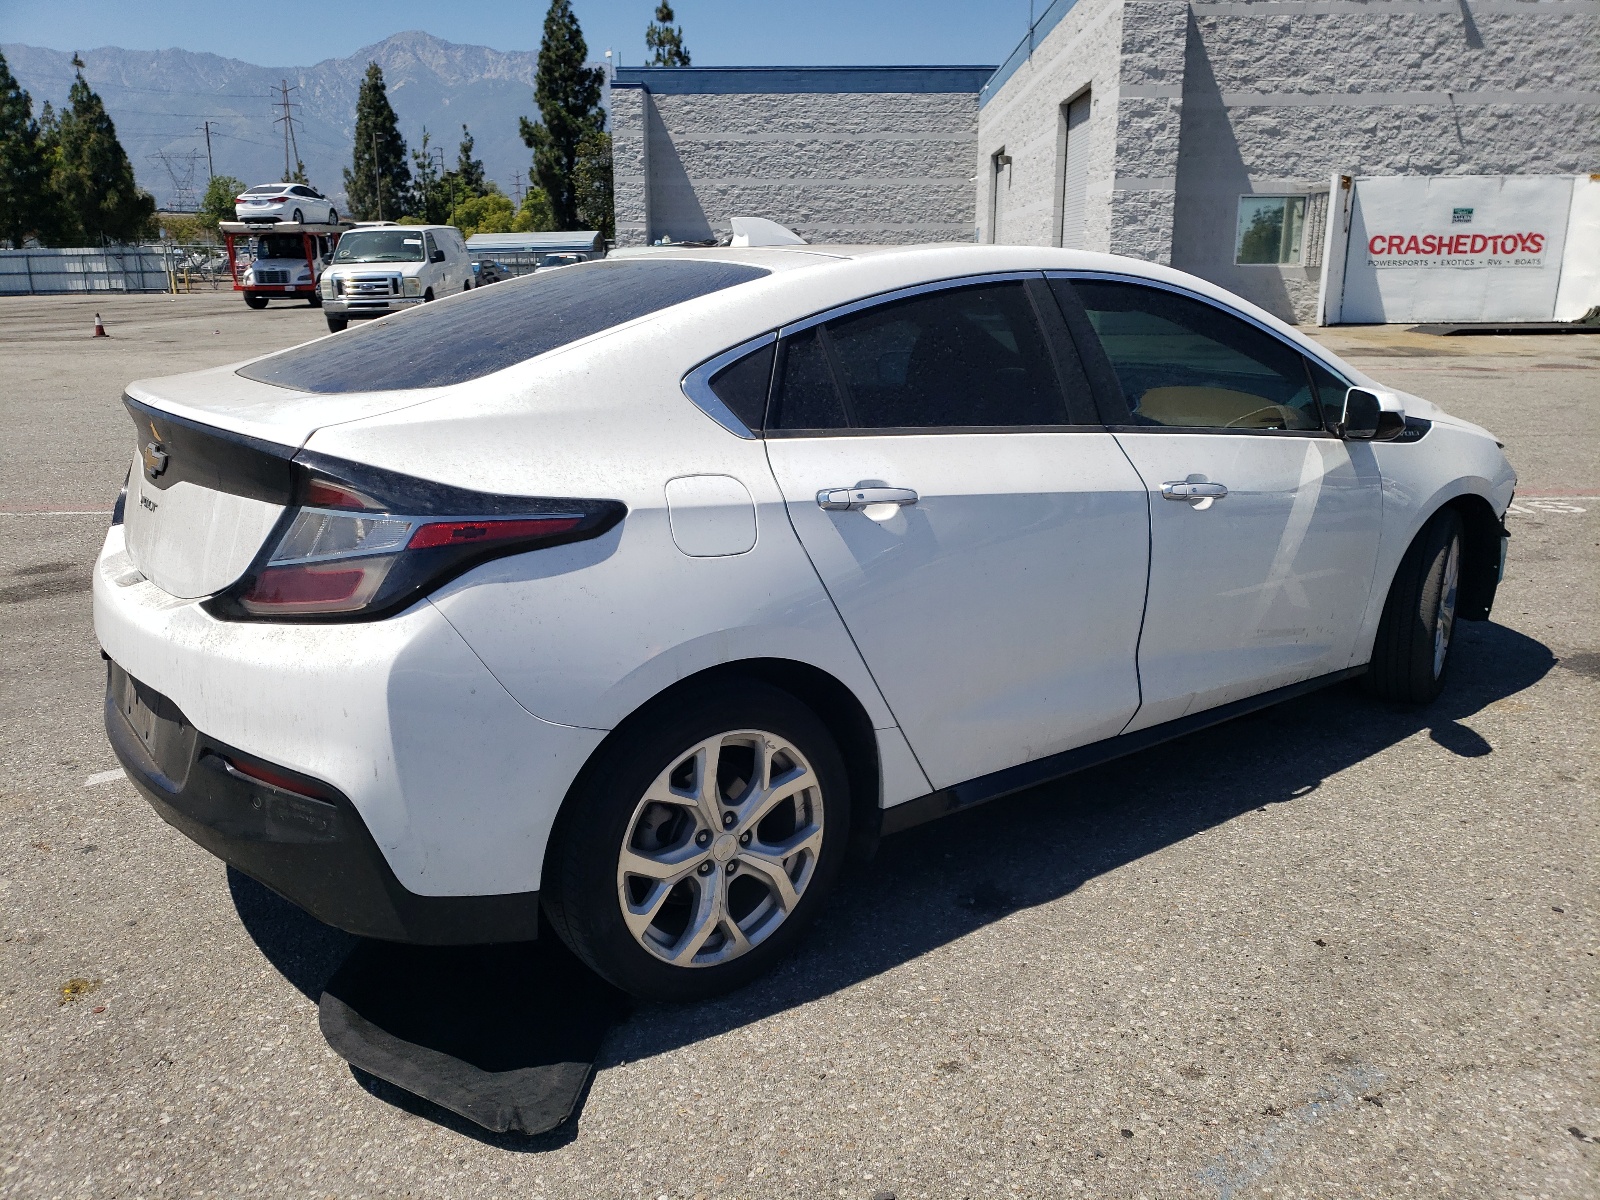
x,y
159,99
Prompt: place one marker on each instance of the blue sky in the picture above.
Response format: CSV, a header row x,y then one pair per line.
x,y
717,32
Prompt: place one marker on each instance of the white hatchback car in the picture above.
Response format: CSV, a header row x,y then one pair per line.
x,y
299,203
632,593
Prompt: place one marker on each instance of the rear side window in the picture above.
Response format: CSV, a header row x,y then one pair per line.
x,y
482,331
971,357
742,386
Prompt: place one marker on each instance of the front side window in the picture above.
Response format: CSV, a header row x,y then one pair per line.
x,y
971,357
1331,388
1187,364
379,246
1271,230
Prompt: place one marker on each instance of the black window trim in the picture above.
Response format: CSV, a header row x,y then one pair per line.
x,y
697,386
1050,335
1073,276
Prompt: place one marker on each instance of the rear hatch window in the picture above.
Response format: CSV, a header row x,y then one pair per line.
x,y
472,335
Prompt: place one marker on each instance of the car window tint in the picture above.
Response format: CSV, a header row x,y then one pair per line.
x,y
472,334
805,396
743,386
428,247
1186,363
960,357
1331,388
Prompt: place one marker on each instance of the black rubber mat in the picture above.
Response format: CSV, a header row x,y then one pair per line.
x,y
505,1036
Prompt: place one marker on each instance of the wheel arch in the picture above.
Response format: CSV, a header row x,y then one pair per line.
x,y
834,704
1481,531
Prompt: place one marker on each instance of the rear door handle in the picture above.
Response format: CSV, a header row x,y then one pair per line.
x,y
862,496
1199,494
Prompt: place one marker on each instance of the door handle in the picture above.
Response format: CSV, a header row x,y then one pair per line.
x,y
1199,494
863,496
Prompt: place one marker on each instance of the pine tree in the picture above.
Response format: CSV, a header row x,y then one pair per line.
x,y
592,184
665,40
430,191
469,176
90,173
24,205
378,181
568,96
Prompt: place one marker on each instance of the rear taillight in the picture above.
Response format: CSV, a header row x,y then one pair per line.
x,y
364,546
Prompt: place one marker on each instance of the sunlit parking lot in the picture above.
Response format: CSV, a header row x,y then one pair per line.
x,y
1333,949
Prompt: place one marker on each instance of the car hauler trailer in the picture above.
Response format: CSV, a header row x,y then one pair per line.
x,y
281,261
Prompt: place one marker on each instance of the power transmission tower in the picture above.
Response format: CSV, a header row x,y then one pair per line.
x,y
287,121
181,173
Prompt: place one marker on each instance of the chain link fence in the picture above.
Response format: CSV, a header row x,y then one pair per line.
x,y
164,267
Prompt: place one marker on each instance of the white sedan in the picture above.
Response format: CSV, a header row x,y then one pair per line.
x,y
636,592
293,202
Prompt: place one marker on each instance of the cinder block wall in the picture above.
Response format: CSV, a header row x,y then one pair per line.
x,y
1021,116
837,154
1441,87
1197,104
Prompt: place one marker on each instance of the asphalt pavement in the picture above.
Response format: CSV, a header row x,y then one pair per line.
x,y
1336,949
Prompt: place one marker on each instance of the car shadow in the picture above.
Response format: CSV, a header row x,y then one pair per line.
x,y
939,882
936,883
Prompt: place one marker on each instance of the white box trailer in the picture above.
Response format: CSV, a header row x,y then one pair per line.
x,y
1461,248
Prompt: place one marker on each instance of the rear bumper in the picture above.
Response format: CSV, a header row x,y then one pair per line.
x,y
313,850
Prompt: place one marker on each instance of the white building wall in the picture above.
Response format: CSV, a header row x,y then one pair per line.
x,y
1024,119
836,166
1200,103
1278,94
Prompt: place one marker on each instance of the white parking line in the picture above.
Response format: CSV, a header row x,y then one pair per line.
x,y
1527,508
105,777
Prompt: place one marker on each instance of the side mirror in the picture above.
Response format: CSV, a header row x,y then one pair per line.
x,y
1365,420
438,256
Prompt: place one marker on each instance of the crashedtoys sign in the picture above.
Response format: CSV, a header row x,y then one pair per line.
x,y
1458,248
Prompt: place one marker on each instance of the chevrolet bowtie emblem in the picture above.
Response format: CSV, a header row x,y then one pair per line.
x,y
155,459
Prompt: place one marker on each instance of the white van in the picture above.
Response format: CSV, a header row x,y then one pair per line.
x,y
383,268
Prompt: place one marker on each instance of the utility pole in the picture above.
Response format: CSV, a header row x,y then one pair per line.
x,y
287,121
211,169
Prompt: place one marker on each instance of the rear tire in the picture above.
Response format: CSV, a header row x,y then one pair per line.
x,y
336,324
710,893
427,296
299,217
1411,654
254,300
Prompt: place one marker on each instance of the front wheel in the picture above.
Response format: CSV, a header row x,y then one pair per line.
x,y
255,300
1411,653
336,324
427,296
700,844
299,217
333,216
316,299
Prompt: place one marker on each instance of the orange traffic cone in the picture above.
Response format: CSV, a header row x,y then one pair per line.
x,y
99,327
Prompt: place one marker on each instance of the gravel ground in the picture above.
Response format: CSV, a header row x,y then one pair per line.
x,y
1334,949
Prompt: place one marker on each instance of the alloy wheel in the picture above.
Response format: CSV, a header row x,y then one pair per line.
x,y
720,848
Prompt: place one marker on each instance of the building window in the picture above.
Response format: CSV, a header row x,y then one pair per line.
x,y
1271,230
